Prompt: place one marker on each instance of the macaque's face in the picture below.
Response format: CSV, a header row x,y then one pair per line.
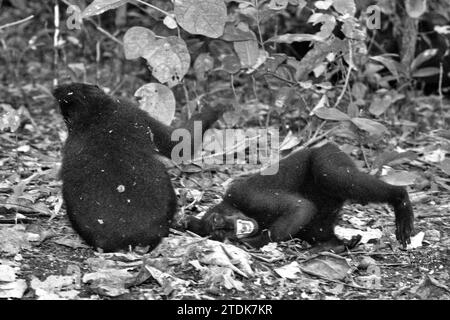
x,y
230,224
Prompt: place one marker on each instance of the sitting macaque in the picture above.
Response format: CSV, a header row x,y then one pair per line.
x,y
302,200
116,190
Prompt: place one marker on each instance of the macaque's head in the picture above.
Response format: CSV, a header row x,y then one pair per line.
x,y
81,103
226,222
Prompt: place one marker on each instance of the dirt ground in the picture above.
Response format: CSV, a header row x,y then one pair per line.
x,y
42,258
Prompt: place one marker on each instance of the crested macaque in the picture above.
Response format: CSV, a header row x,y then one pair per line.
x,y
302,200
116,191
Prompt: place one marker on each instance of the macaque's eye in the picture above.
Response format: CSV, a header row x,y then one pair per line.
x,y
218,220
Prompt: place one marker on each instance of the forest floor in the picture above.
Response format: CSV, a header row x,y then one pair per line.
x,y
41,257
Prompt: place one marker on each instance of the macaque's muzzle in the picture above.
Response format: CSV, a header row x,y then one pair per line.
x,y
234,226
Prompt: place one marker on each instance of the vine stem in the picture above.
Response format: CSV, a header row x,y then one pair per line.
x,y
16,22
106,33
273,74
347,77
233,88
153,7
259,25
441,95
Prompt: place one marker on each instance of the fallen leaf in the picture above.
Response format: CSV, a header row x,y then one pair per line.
x,y
13,239
430,288
7,274
14,289
167,281
416,241
55,287
110,282
290,271
366,236
73,243
222,276
328,266
400,178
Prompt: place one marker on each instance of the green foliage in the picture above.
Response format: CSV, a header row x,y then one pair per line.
x,y
269,58
242,49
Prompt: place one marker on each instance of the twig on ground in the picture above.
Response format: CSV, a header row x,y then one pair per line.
x,y
343,283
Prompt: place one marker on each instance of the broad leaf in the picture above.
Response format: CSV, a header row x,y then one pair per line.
x,y
231,64
278,4
442,29
352,29
205,17
169,60
158,101
426,72
382,101
262,57
416,8
359,90
295,37
390,64
289,142
247,51
423,57
283,96
328,24
203,64
100,6
332,114
370,126
138,41
328,266
393,157
323,5
170,22
316,57
231,33
274,61
345,7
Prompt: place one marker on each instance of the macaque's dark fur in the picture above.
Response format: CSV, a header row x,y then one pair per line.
x,y
116,192
303,200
